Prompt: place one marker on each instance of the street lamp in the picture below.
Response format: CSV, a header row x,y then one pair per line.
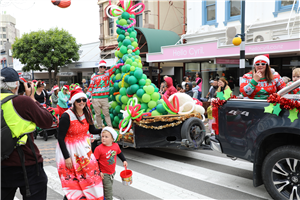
x,y
241,40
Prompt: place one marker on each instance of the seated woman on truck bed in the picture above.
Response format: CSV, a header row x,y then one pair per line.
x,y
261,81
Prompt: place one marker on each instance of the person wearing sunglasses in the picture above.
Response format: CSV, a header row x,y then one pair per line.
x,y
99,91
262,80
77,166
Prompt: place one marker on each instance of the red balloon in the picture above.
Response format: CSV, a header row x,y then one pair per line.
x,y
61,3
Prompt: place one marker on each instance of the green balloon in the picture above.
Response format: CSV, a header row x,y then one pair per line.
x,y
156,89
132,68
123,106
150,89
160,108
116,86
115,125
128,67
140,93
137,52
148,110
118,108
126,34
129,91
126,85
111,116
134,64
126,78
120,44
129,51
120,115
116,119
134,44
123,91
144,77
125,57
128,61
155,113
138,74
134,88
119,31
121,38
132,80
127,42
122,22
148,81
114,104
117,98
155,96
120,55
118,76
151,104
111,90
144,106
124,99
123,49
125,15
132,34
120,84
142,82
140,66
146,98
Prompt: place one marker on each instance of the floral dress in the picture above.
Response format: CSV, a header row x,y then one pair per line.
x,y
84,179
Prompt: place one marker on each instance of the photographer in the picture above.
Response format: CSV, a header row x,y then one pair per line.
x,y
23,168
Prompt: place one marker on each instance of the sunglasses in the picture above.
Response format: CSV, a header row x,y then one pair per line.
x,y
79,100
262,64
102,67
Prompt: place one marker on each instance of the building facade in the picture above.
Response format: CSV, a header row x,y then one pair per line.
x,y
8,33
272,27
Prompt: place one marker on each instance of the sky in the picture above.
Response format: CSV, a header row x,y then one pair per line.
x,y
81,19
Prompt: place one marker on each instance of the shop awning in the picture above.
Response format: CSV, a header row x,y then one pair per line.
x,y
156,38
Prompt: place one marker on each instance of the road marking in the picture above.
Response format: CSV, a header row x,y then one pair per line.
x,y
214,177
141,182
158,188
213,159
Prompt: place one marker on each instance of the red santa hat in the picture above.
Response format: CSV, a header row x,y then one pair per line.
x,y
66,87
264,58
43,83
76,94
55,87
102,63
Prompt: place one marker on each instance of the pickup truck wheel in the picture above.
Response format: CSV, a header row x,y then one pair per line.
x,y
281,173
193,130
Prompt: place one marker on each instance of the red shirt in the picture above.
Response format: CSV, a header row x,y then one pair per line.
x,y
107,157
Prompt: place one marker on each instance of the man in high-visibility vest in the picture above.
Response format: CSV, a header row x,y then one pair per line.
x,y
22,114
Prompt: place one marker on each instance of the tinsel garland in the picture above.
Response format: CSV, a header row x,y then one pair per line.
x,y
162,126
285,103
166,119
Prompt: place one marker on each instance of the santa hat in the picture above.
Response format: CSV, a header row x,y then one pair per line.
x,y
76,94
55,87
102,63
65,87
112,131
43,83
262,58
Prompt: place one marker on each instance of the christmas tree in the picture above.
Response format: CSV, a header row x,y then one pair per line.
x,y
129,82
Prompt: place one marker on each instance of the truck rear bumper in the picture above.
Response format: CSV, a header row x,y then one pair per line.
x,y
215,144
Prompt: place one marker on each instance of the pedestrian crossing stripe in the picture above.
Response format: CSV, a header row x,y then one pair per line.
x,y
214,177
244,165
157,188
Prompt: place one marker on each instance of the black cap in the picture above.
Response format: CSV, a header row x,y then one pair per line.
x,y
9,74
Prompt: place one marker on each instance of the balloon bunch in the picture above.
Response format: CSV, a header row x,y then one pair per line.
x,y
132,112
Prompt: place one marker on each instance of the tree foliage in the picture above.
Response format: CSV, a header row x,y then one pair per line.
x,y
46,50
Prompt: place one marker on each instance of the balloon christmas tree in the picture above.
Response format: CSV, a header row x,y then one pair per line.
x,y
131,93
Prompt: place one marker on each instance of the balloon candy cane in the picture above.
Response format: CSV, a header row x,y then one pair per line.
x,y
114,11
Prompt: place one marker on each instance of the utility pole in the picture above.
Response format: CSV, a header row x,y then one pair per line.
x,y
242,47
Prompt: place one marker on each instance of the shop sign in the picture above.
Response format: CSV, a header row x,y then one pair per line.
x,y
78,65
211,49
227,61
66,74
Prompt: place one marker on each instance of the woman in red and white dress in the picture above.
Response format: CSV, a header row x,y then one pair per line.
x,y
77,167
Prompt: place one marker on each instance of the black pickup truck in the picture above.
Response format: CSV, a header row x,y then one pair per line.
x,y
270,142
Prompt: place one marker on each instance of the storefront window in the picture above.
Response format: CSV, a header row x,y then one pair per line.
x,y
191,69
66,80
288,64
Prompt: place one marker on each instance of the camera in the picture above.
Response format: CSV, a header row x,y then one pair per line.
x,y
21,86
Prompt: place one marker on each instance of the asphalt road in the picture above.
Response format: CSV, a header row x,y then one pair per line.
x,y
169,174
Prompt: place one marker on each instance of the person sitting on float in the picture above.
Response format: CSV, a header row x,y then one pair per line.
x,y
222,85
295,77
262,80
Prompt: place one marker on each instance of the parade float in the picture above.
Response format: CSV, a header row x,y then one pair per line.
x,y
143,117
